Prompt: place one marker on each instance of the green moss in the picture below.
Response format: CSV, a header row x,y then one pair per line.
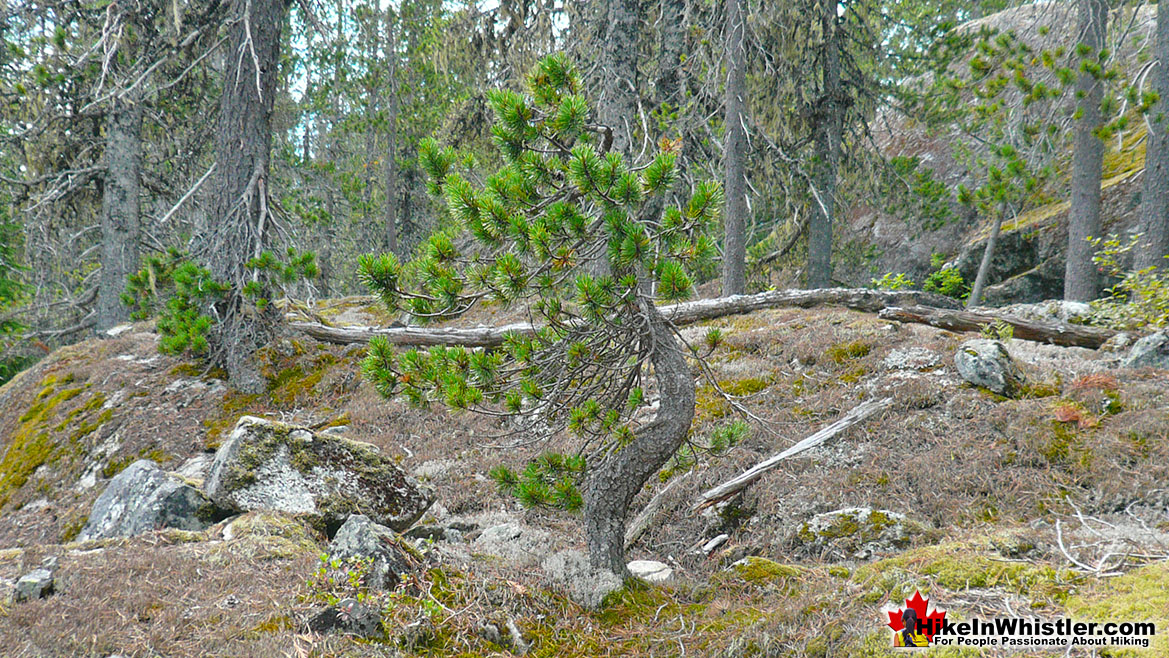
x,y
266,536
959,567
115,466
759,570
31,445
1140,595
233,406
72,528
710,404
842,352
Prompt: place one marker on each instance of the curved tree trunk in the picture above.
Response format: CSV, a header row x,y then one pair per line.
x,y
1081,281
612,483
121,210
1155,194
241,220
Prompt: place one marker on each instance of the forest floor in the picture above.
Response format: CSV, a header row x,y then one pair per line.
x,y
1054,504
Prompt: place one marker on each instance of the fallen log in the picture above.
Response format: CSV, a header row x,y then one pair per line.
x,y
859,299
1057,333
747,478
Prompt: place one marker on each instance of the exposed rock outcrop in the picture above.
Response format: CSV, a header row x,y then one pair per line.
x,y
143,498
271,465
1149,352
857,532
987,363
361,538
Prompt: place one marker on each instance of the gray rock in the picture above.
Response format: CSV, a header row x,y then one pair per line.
x,y
275,466
143,498
987,363
351,617
1152,351
514,542
585,585
856,532
359,537
36,584
651,571
912,358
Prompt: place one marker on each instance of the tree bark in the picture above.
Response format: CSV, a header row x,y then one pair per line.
x,y
1155,194
987,257
613,481
734,219
391,154
1081,280
858,299
121,209
671,48
240,215
829,121
618,108
1056,333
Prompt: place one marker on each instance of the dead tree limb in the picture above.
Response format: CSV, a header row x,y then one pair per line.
x,y
1057,333
748,477
859,299
640,523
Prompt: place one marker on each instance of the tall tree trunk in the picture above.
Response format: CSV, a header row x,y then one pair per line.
x,y
1081,281
734,243
829,122
391,154
618,109
987,257
121,209
620,474
1155,195
241,219
671,48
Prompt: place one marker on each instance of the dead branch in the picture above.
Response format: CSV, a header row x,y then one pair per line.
x,y
747,478
1057,333
859,299
640,523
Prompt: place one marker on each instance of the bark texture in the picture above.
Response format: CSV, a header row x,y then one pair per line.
x,y
121,210
240,218
734,219
987,257
391,154
1056,333
618,107
828,117
858,299
1081,281
618,476
1155,194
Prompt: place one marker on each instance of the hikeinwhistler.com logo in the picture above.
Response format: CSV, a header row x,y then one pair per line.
x,y
919,624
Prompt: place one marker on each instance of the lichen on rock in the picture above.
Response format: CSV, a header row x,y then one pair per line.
x,y
275,466
857,532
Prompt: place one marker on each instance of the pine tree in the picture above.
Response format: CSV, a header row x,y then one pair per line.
x,y
561,200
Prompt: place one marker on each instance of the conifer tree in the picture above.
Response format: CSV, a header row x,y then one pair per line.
x,y
561,200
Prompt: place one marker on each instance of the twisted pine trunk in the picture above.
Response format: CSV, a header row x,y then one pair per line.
x,y
611,484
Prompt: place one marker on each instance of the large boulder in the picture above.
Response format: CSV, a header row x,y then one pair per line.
x,y
36,584
389,558
276,466
1152,351
143,498
987,363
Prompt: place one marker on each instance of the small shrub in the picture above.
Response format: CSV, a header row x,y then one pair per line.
x,y
1141,299
947,281
892,281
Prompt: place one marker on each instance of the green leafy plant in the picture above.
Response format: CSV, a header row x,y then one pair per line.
x,y
891,281
335,579
1139,299
998,330
947,281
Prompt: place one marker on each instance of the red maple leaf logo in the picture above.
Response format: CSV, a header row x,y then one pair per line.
x,y
931,621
